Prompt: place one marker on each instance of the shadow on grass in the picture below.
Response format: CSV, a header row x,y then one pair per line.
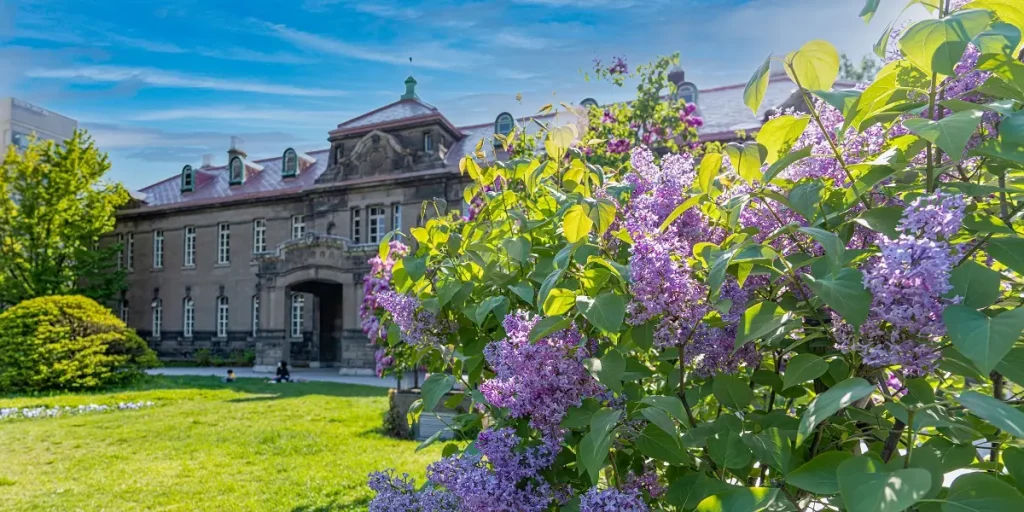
x,y
259,387
333,506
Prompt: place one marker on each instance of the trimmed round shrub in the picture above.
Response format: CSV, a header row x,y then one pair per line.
x,y
68,342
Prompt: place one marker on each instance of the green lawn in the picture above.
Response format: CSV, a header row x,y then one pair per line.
x,y
205,445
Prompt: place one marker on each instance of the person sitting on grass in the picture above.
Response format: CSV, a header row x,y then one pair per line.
x,y
230,377
282,373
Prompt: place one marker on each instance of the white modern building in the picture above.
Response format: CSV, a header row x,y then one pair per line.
x,y
19,120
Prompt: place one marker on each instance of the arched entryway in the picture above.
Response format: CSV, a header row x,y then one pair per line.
x,y
323,349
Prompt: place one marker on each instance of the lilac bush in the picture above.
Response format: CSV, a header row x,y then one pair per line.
x,y
824,316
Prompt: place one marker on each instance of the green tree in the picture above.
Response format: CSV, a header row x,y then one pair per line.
x,y
863,73
54,208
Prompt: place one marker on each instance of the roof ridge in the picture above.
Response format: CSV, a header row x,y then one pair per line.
x,y
385,107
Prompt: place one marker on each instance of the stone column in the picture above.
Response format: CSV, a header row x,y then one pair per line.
x,y
271,343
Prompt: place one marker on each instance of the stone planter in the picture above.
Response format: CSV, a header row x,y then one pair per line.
x,y
396,421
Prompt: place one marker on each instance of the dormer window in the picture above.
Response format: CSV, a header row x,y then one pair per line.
x,y
688,92
339,153
188,179
290,163
428,142
503,126
588,103
236,171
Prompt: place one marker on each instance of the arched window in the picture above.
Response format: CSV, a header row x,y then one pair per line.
x,y
236,171
188,179
188,317
222,317
688,92
290,163
503,124
588,103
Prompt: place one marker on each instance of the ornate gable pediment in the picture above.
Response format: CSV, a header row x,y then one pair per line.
x,y
374,154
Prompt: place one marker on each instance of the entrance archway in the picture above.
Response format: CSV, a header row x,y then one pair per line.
x,y
328,321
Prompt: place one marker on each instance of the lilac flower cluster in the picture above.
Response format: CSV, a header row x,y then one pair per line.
x,y
376,282
503,476
618,146
612,500
618,66
908,280
687,117
608,117
645,482
52,412
539,380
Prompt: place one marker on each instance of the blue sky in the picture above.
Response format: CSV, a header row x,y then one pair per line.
x,y
160,83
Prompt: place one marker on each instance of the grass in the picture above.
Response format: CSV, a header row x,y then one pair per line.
x,y
204,446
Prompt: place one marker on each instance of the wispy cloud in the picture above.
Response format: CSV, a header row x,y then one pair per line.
x,y
245,113
519,41
590,4
386,10
170,79
425,55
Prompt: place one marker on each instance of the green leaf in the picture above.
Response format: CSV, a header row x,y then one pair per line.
x,y
830,402
658,444
882,219
603,421
802,368
710,165
757,86
936,45
1009,251
771,446
948,455
669,404
1012,366
835,249
843,292
867,486
661,419
593,451
869,9
415,267
576,224
950,134
679,210
819,474
548,325
643,334
779,134
975,283
746,159
608,369
994,411
984,340
435,387
843,100
732,391
488,305
979,492
746,499
524,290
1000,39
728,450
518,249
786,161
814,66
1013,459
759,320
606,312
687,492
559,301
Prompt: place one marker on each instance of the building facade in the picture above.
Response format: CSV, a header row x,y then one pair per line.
x,y
269,255
20,120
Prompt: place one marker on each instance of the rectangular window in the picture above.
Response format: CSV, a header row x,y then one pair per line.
x,y
124,311
190,246
158,317
222,317
130,252
255,315
396,217
357,228
298,227
428,142
298,302
188,319
158,249
376,215
223,243
259,236
120,252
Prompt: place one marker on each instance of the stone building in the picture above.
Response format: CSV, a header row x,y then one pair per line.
x,y
268,255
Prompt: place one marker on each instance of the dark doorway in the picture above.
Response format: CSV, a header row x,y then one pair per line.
x,y
327,321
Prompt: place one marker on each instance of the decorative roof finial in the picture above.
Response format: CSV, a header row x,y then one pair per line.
x,y
410,88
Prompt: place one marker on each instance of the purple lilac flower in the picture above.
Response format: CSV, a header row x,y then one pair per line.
x,y
617,146
539,380
618,66
398,494
646,482
608,117
934,217
417,325
376,282
612,500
